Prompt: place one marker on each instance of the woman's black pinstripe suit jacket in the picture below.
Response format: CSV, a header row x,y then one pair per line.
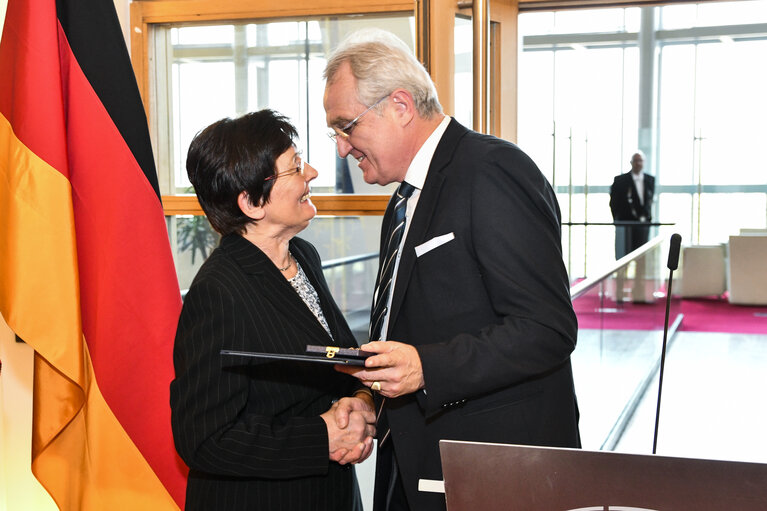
x,y
250,430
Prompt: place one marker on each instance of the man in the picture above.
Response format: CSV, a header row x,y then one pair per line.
x,y
631,196
479,327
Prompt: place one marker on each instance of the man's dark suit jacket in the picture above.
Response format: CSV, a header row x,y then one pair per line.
x,y
489,312
251,431
625,206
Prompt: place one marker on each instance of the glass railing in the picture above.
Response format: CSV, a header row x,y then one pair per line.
x,y
589,247
350,277
351,281
621,315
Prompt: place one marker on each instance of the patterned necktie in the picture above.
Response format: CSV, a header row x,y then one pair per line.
x,y
386,272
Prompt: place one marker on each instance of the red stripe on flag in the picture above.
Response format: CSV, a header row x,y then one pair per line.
x,y
130,299
31,92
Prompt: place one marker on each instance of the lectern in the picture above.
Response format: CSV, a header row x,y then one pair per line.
x,y
495,477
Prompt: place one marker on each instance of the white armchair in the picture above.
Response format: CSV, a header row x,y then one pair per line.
x,y
747,269
703,271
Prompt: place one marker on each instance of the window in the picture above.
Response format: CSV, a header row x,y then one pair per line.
x,y
227,70
699,118
713,14
713,99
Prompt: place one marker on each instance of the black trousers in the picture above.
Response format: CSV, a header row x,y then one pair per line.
x,y
389,494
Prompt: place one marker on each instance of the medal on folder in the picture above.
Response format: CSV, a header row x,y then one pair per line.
x,y
321,354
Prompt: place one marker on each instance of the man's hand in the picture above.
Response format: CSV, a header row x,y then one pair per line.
x,y
396,369
351,428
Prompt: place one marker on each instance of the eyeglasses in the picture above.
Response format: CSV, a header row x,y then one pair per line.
x,y
290,172
346,131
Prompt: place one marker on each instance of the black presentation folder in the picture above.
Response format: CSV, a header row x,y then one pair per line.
x,y
321,354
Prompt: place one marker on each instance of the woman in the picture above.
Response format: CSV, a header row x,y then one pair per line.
x,y
257,434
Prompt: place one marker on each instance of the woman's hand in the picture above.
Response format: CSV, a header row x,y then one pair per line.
x,y
351,429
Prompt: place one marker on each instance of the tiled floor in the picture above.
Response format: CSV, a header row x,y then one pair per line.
x,y
714,402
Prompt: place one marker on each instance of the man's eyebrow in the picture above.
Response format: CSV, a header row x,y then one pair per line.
x,y
339,122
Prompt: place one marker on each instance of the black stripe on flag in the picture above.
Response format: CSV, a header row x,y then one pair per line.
x,y
95,36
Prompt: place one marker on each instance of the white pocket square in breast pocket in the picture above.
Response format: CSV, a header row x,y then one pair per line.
x,y
433,243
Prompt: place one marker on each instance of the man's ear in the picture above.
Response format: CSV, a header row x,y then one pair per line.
x,y
404,106
254,211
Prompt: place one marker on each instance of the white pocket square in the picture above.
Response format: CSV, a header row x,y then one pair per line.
x,y
433,243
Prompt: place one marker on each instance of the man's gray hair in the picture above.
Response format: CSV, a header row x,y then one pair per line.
x,y
381,63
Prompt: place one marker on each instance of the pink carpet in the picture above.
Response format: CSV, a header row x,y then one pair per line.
x,y
700,315
719,315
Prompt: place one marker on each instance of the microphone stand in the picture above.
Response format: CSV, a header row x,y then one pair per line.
x,y
673,263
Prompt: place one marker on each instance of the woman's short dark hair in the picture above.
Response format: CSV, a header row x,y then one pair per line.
x,y
235,155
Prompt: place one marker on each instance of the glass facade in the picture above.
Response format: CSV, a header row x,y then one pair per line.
x,y
698,114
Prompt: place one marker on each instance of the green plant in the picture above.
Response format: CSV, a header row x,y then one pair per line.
x,y
195,234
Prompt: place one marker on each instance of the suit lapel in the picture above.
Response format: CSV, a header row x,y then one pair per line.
x,y
266,280
424,212
647,191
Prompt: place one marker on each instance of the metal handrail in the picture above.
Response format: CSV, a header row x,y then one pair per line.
x,y
576,290
619,223
341,261
332,263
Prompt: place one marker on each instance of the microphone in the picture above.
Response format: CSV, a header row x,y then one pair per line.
x,y
673,252
673,264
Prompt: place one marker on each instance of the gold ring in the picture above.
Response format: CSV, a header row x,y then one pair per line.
x,y
376,385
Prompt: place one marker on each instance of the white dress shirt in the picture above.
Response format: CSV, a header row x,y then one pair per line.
x,y
639,183
416,176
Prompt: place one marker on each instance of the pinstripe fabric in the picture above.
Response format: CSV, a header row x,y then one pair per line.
x,y
250,430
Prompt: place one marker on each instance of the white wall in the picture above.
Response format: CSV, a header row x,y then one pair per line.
x,y
18,487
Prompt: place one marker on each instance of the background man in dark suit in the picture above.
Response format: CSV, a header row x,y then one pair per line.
x,y
480,308
631,196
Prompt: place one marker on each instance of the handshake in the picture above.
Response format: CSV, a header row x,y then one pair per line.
x,y
351,423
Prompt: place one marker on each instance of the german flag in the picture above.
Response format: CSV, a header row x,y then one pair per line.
x,y
86,271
